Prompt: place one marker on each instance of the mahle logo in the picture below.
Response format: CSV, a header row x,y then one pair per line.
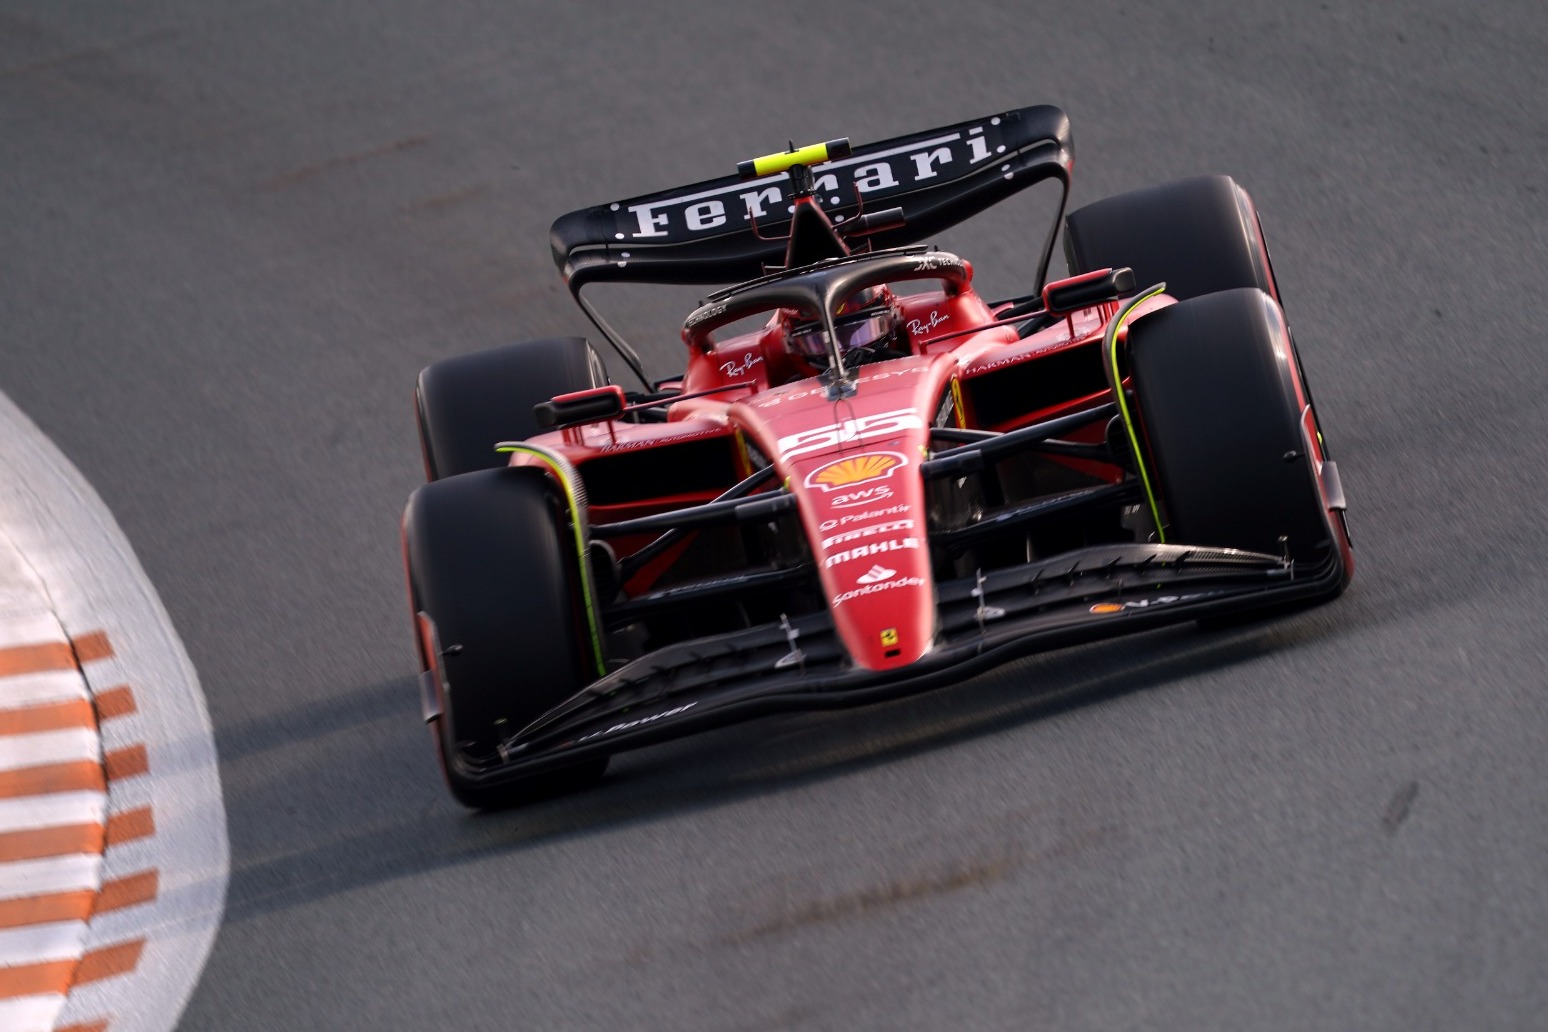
x,y
869,549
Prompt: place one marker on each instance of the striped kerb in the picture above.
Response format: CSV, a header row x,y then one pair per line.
x,y
58,822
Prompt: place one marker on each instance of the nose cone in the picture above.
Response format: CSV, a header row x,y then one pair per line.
x,y
853,464
865,518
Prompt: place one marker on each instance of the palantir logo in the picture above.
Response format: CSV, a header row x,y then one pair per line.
x,y
876,574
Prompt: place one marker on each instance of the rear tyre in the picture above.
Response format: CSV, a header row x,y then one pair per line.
x,y
468,403
489,566
1220,406
1200,235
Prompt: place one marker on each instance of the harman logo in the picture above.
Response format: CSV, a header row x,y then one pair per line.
x,y
857,469
1109,608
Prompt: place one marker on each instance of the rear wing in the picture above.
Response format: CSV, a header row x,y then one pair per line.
x,y
731,229
727,230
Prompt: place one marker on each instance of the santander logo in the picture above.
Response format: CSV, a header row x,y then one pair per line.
x,y
876,574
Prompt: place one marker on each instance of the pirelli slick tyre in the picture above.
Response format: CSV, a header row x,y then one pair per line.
x,y
493,582
1221,411
1199,235
466,404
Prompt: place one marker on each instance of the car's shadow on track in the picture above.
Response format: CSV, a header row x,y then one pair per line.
x,y
413,826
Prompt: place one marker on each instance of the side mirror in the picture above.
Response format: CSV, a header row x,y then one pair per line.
x,y
590,406
1092,288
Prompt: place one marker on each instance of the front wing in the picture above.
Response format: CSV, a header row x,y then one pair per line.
x,y
799,664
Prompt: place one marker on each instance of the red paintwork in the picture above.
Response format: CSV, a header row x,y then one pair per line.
x,y
884,426
865,519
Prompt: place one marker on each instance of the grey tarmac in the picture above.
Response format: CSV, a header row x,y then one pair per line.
x,y
235,230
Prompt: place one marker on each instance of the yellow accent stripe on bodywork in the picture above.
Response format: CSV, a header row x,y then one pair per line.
x,y
746,469
1115,380
771,163
574,497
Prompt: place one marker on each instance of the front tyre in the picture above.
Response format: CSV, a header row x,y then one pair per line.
x,y
496,580
1230,432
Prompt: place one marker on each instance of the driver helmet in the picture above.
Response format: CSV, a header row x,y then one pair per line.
x,y
866,324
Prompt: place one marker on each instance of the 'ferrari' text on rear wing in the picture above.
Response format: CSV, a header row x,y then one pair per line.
x,y
728,229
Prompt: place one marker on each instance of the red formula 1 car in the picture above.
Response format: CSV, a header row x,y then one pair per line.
x,y
869,479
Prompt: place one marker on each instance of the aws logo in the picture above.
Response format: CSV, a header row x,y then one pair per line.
x,y
864,496
857,469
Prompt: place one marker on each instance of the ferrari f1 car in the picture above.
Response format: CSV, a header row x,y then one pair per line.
x,y
869,479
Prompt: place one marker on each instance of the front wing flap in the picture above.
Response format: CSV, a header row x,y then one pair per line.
x,y
799,664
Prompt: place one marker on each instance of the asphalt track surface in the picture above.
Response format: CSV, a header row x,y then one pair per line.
x,y
233,232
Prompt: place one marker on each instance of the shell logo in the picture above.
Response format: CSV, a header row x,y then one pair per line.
x,y
857,469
